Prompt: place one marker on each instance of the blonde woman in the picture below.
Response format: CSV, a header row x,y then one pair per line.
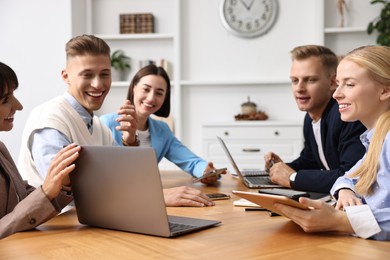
x,y
363,93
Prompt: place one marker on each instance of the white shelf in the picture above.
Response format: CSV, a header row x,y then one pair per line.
x,y
233,83
141,36
120,84
123,84
252,123
345,30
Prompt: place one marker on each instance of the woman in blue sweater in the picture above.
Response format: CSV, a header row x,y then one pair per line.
x,y
149,93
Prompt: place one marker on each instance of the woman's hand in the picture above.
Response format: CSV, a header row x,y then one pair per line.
x,y
211,179
58,173
320,217
186,196
347,198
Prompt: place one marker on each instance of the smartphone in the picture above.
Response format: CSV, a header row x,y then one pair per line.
x,y
292,194
209,174
218,196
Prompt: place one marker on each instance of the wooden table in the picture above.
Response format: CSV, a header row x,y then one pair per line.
x,y
242,235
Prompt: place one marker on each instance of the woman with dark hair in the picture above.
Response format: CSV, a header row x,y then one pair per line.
x,y
149,93
22,207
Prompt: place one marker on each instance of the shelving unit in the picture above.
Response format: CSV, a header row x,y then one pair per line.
x,y
357,15
143,36
163,44
232,83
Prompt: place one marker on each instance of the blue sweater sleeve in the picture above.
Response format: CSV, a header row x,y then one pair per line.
x,y
110,121
167,145
164,143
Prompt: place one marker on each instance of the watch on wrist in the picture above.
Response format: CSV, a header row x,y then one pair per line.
x,y
135,143
292,180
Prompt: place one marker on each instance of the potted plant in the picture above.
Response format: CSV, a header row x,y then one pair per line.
x,y
120,65
381,24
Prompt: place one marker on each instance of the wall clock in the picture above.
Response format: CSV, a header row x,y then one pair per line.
x,y
249,18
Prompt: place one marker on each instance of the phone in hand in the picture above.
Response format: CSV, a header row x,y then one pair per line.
x,y
218,196
209,174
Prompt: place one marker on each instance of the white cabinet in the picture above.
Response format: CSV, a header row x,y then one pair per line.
x,y
249,141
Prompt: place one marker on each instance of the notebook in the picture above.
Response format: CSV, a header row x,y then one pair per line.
x,y
251,179
119,188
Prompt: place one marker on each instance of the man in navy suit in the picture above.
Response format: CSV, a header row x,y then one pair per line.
x,y
331,146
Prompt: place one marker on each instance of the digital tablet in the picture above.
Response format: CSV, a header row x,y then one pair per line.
x,y
268,200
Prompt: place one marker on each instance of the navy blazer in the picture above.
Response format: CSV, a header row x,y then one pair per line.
x,y
342,149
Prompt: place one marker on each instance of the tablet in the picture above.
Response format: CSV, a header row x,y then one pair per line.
x,y
268,200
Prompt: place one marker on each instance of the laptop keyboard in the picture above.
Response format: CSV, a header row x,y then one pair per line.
x,y
254,172
257,180
175,227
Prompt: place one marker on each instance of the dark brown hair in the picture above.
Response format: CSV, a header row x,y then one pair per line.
x,y
153,70
8,80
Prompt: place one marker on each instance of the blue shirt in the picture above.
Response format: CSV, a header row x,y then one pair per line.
x,y
379,200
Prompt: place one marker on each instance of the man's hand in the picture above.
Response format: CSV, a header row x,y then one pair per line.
x,y
270,159
280,174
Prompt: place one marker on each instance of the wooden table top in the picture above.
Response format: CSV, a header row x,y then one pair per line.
x,y
241,235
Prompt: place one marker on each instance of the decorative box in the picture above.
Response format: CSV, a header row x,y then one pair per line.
x,y
136,23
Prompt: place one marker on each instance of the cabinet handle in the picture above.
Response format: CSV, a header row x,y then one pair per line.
x,y
251,150
226,133
276,133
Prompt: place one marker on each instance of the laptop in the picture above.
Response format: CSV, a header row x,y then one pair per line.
x,y
120,188
250,178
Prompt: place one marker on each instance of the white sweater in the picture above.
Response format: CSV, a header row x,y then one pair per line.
x,y
59,115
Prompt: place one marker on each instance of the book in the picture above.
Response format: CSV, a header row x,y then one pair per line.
x,y
136,23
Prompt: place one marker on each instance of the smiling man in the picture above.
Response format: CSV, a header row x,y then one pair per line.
x,y
70,118
331,146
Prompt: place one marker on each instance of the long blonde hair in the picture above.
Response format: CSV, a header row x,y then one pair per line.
x,y
376,60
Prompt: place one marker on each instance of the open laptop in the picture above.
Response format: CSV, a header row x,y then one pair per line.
x,y
251,178
120,188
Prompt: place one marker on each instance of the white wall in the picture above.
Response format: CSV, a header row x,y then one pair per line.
x,y
33,36
209,52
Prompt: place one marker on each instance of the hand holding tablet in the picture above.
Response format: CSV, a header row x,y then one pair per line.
x,y
268,200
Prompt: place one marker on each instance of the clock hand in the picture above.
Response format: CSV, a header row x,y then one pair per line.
x,y
250,5
244,4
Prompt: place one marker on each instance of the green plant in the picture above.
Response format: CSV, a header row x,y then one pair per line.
x,y
120,61
381,24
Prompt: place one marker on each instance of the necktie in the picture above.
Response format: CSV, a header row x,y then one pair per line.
x,y
90,126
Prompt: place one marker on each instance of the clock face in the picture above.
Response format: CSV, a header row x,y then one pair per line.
x,y
249,18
